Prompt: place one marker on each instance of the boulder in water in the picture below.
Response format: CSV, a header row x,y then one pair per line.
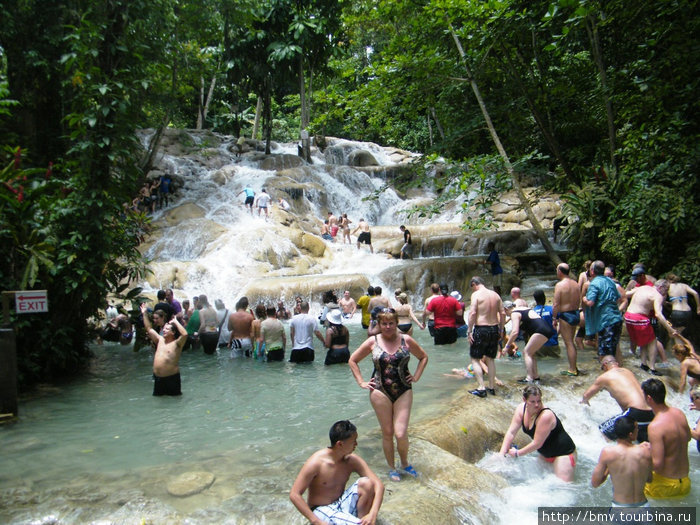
x,y
190,483
362,158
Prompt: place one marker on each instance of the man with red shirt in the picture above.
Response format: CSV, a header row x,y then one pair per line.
x,y
445,310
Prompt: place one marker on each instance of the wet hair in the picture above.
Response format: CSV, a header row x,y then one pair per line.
x,y
370,290
672,278
304,306
204,301
242,303
655,389
173,329
624,426
587,265
531,390
491,245
271,311
260,311
340,431
682,351
161,295
598,268
476,281
611,268
329,297
563,268
388,314
403,298
435,288
539,296
402,227
695,393
377,290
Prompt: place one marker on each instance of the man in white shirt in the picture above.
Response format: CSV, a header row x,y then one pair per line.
x,y
302,329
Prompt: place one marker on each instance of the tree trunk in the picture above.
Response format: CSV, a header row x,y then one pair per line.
x,y
437,124
539,231
147,162
258,113
430,129
592,30
205,102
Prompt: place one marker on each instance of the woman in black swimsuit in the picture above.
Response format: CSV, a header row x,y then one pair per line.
x,y
548,435
537,331
390,389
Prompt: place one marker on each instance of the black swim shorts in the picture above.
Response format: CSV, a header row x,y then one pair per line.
x,y
485,342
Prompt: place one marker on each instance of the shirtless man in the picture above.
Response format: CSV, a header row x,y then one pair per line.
x,y
669,435
364,237
515,295
644,301
624,388
166,370
378,299
627,464
567,300
333,224
486,319
347,304
325,474
428,316
240,325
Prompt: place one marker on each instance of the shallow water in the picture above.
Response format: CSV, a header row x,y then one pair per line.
x,y
256,422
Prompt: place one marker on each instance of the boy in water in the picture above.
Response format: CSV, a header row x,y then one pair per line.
x,y
325,474
628,465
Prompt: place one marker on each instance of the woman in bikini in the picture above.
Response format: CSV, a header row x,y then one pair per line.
x,y
406,315
390,390
690,364
549,438
681,313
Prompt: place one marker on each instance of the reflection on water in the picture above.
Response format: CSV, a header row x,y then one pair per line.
x,y
105,440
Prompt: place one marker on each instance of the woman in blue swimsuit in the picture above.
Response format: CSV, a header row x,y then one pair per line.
x,y
390,387
549,438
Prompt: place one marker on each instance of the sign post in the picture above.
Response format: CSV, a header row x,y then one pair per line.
x,y
26,302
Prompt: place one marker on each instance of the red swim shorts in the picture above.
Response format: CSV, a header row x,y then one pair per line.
x,y
639,329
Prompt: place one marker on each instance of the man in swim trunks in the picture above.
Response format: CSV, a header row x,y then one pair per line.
x,y
302,329
643,301
604,317
486,320
263,202
325,475
249,198
628,465
565,307
166,369
623,387
347,304
669,435
445,309
365,237
407,248
240,325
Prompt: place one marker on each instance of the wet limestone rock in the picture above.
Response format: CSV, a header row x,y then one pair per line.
x,y
280,162
223,175
362,158
190,483
178,214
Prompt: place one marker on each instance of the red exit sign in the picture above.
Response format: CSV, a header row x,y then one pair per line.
x,y
31,301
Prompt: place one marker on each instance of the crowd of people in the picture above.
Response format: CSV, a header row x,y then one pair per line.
x,y
648,460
